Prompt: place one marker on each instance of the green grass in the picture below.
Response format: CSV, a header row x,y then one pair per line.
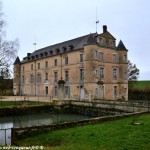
x,y
142,85
18,103
111,135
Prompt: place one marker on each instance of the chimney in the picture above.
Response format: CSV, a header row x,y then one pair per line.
x,y
104,28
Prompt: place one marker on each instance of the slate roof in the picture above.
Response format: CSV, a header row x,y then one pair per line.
x,y
91,40
70,45
17,61
121,46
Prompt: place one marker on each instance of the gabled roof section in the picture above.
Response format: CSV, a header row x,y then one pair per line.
x,y
17,61
121,46
106,34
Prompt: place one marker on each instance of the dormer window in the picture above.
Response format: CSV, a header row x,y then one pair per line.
x,y
45,53
28,58
51,52
57,50
32,57
64,49
100,40
41,54
37,56
71,47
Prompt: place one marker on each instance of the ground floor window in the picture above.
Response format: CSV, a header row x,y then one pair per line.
x,y
67,92
55,91
115,91
46,90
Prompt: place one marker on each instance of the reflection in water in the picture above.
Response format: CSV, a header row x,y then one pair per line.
x,y
6,123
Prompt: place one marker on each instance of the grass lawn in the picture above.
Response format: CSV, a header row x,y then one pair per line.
x,y
142,85
18,103
111,135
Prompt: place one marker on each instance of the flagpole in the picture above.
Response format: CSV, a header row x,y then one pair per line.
x,y
97,21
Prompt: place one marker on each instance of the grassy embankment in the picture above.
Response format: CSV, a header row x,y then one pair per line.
x,y
140,90
142,85
111,135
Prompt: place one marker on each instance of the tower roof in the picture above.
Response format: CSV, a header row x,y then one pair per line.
x,y
121,46
17,61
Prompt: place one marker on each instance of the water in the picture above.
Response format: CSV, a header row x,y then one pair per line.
x,y
6,123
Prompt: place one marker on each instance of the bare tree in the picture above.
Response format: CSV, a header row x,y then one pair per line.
x,y
133,72
8,49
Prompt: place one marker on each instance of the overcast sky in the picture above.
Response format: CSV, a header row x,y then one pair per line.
x,y
54,21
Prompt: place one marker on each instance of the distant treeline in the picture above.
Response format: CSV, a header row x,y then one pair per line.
x,y
6,87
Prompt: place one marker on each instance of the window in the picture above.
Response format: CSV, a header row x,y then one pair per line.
x,y
23,79
125,91
46,64
41,54
31,78
71,47
38,65
113,43
125,76
101,56
66,60
46,76
81,74
101,73
23,69
55,91
124,57
55,62
96,53
66,91
31,66
114,58
64,49
55,76
38,78
57,50
51,52
115,91
100,40
46,90
66,75
96,73
114,73
81,57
